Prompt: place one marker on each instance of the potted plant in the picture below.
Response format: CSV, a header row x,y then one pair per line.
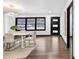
x,y
13,27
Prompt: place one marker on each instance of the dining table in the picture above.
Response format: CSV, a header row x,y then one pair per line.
x,y
22,34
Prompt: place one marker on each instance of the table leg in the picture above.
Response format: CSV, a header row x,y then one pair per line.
x,y
22,43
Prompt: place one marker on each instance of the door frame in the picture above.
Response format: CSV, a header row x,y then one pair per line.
x,y
58,25
68,25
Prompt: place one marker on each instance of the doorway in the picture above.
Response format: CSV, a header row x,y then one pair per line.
x,y
70,25
55,25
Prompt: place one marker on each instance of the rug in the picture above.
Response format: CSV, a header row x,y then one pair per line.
x,y
18,53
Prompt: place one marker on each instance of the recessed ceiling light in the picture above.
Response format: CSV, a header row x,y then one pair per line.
x,y
10,6
11,14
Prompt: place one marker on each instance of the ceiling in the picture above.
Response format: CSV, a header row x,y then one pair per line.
x,y
37,6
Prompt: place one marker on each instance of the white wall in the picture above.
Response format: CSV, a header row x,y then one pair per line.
x,y
11,20
62,25
71,21
76,30
7,22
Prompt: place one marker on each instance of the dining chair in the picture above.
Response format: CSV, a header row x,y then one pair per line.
x,y
9,41
31,39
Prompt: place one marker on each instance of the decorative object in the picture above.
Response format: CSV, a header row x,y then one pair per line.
x,y
13,27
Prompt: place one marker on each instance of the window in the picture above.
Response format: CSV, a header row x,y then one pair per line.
x,y
40,24
20,24
31,23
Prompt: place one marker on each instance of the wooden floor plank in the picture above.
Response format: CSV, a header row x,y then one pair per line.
x,y
51,47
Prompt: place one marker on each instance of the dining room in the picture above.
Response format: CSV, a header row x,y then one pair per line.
x,y
36,29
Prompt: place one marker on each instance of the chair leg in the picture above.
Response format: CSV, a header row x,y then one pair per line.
x,y
5,45
25,43
19,43
29,42
34,42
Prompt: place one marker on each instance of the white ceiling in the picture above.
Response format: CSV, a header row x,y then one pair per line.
x,y
38,6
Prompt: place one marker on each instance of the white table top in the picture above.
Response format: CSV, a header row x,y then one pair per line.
x,y
21,33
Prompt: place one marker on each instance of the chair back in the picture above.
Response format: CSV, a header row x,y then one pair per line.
x,y
8,37
34,35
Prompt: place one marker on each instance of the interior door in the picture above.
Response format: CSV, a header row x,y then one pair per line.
x,y
70,25
55,25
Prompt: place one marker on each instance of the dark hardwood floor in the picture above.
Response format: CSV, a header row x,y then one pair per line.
x,y
51,47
